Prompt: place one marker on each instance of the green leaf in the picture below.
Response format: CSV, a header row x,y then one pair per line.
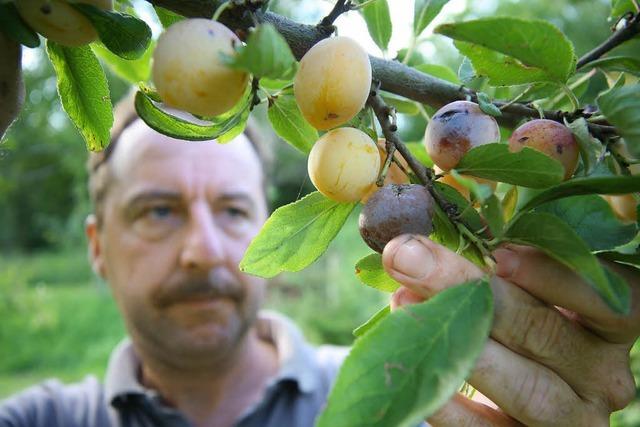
x,y
266,54
424,12
485,104
592,218
492,213
401,104
133,71
480,191
238,122
371,272
625,64
627,259
412,361
83,91
363,122
549,234
176,127
439,71
529,168
621,107
591,185
466,73
14,26
513,51
125,35
590,148
372,322
167,17
509,202
287,121
467,213
445,233
620,7
295,236
376,15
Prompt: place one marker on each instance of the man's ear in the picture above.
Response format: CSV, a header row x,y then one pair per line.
x,y
95,247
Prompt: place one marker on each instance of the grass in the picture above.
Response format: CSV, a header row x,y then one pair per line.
x,y
57,320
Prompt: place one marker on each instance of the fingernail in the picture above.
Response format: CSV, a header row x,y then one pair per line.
x,y
507,262
413,259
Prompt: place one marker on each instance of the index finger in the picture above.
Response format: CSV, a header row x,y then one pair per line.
x,y
558,285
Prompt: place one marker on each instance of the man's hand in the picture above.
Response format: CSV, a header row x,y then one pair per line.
x,y
557,354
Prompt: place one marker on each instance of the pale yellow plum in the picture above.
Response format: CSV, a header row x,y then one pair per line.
x,y
343,164
189,73
551,138
333,82
455,129
58,21
395,175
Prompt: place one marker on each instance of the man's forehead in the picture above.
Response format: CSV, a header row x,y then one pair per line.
x,y
141,146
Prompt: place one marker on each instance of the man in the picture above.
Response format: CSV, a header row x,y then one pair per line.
x,y
172,221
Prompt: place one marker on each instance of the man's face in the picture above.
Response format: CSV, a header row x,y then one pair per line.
x,y
178,217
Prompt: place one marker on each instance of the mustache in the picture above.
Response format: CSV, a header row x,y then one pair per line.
x,y
210,286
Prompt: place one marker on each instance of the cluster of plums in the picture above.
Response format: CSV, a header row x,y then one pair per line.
x,y
331,86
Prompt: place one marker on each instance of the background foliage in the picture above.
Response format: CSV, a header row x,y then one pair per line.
x,y
43,268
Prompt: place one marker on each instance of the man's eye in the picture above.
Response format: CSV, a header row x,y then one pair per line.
x,y
236,212
160,212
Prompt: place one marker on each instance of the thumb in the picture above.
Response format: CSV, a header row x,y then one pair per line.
x,y
426,267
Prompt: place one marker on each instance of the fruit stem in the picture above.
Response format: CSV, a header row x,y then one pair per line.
x,y
390,149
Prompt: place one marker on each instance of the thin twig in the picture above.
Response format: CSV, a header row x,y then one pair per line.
x,y
628,31
424,174
339,8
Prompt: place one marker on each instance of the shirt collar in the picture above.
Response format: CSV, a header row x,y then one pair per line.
x,y
296,359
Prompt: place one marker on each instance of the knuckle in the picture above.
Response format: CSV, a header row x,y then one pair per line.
x,y
530,398
537,330
536,402
621,390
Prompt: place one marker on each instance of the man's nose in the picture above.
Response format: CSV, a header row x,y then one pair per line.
x,y
204,243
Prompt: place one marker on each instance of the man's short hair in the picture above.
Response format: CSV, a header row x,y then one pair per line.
x,y
125,114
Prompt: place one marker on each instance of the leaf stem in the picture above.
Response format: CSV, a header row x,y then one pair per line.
x,y
516,98
224,6
572,97
363,4
410,49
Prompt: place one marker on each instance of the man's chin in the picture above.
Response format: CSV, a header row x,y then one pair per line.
x,y
206,336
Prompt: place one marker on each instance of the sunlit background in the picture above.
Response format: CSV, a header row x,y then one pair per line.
x,y
58,320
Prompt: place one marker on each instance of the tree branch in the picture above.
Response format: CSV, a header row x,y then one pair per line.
x,y
393,76
628,31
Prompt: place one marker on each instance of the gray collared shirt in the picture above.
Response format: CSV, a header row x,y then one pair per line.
x,y
294,397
